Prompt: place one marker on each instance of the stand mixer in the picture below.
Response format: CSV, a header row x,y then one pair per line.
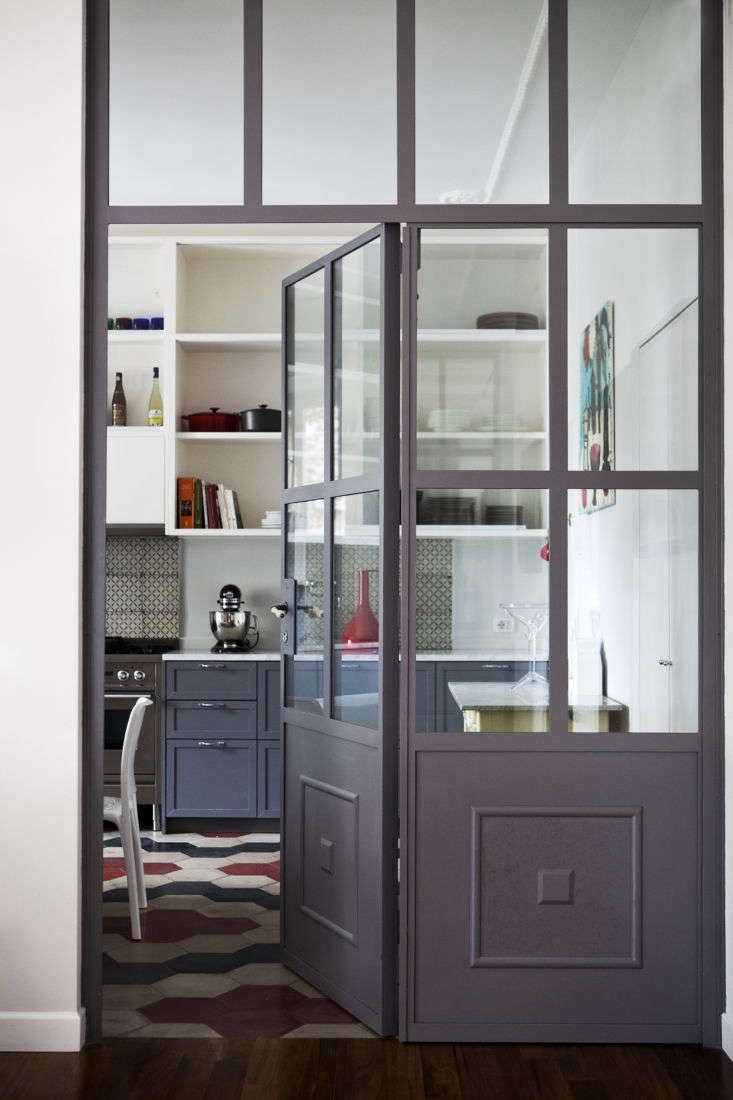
x,y
235,628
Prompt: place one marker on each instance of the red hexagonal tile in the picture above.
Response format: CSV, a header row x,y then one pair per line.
x,y
171,925
255,1025
114,867
266,998
268,870
185,1010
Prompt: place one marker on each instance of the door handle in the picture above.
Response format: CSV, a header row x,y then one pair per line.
x,y
128,695
280,610
211,744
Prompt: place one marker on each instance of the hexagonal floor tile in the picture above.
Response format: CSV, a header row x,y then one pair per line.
x,y
193,985
121,1021
128,996
216,943
166,926
195,902
263,974
249,870
137,951
240,881
175,1031
220,909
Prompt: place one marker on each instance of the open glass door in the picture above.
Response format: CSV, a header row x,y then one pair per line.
x,y
339,624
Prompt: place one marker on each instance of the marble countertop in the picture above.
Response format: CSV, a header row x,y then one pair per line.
x,y
186,654
199,653
501,696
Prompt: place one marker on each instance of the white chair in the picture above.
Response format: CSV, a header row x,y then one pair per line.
x,y
123,813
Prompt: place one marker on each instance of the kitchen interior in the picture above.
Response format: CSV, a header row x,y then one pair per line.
x,y
194,574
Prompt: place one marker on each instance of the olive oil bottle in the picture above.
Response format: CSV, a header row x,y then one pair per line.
x,y
155,404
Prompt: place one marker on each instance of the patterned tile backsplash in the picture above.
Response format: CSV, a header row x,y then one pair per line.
x,y
143,594
434,591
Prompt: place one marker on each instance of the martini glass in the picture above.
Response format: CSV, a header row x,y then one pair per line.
x,y
531,617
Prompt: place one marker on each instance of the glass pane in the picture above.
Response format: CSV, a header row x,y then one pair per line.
x,y
482,607
356,325
632,349
305,336
632,610
176,115
482,350
634,100
304,564
356,609
481,106
329,102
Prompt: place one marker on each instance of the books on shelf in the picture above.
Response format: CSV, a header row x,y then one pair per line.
x,y
206,505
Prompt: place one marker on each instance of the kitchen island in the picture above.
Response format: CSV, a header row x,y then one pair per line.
x,y
498,708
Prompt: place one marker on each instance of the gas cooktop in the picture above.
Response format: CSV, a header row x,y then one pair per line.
x,y
115,646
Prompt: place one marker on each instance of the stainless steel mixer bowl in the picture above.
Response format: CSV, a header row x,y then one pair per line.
x,y
232,628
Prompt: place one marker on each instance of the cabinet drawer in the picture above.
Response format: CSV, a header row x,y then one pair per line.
x,y
268,779
217,717
211,777
211,680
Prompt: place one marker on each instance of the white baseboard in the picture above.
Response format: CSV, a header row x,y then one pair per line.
x,y
42,1031
727,1033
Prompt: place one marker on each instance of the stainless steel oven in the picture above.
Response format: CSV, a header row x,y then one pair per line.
x,y
125,680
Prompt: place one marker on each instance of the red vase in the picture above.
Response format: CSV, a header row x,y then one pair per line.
x,y
362,630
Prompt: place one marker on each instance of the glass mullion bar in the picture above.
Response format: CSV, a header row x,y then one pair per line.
x,y
328,329
558,389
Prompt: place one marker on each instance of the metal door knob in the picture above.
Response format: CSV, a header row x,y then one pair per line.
x,y
280,610
123,675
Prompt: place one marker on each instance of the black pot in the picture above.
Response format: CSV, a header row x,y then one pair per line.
x,y
260,419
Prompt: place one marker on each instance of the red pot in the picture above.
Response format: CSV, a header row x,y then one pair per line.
x,y
213,421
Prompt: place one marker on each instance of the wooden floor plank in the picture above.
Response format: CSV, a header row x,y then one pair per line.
x,y
364,1069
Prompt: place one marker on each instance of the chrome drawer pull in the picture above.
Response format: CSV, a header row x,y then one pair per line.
x,y
212,744
218,668
495,666
211,706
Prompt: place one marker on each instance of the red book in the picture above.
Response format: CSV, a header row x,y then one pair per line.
x,y
212,507
185,502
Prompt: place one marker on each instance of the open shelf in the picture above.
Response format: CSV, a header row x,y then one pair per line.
x,y
229,437
220,532
482,437
481,336
135,336
229,341
369,535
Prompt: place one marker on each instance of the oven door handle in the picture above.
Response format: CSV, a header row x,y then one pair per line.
x,y
128,695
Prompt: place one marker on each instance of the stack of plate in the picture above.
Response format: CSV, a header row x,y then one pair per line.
x,y
270,519
508,319
506,515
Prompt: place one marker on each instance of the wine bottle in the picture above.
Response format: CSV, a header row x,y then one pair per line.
x,y
119,403
155,404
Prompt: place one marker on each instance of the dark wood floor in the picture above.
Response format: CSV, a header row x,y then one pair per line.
x,y
311,1069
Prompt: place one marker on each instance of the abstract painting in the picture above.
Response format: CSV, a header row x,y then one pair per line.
x,y
598,406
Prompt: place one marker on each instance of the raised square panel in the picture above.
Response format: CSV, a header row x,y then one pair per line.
x,y
329,826
556,887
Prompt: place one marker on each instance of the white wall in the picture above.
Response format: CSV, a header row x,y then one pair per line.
x,y
41,108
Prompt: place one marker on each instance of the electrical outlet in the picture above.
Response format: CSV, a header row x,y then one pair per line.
x,y
503,624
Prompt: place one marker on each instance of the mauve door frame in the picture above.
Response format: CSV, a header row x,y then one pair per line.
x,y
558,214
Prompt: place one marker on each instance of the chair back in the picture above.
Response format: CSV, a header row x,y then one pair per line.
x,y
128,787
